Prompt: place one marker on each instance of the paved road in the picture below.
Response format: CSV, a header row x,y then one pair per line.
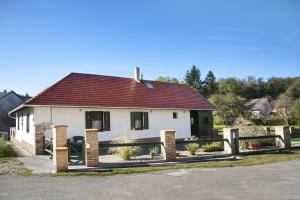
x,y
271,181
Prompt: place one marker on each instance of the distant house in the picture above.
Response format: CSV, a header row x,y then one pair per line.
x,y
8,101
260,107
114,106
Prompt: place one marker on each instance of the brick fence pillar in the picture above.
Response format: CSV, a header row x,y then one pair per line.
x,y
60,148
39,140
91,147
232,135
284,133
168,148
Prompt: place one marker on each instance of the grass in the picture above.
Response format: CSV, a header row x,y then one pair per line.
x,y
244,161
296,139
6,159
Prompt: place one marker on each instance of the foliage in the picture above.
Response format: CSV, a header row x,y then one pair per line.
x,y
167,79
297,111
284,106
276,86
5,150
272,120
153,151
192,148
249,131
193,79
210,84
230,86
125,152
214,146
229,107
294,89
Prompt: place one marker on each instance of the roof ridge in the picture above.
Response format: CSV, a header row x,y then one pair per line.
x,y
7,93
90,74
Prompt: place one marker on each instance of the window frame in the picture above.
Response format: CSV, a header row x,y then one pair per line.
x,y
143,116
22,122
18,121
28,123
103,116
175,115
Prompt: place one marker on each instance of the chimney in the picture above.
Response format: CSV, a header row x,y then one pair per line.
x,y
137,74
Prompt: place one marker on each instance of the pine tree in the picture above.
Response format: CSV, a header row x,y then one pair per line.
x,y
211,86
193,79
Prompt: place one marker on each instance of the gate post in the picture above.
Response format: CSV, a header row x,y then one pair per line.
x,y
168,148
232,135
91,147
60,148
38,140
285,136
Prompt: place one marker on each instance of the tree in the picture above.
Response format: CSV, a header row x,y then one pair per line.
x,y
297,111
167,79
211,86
193,79
229,107
276,86
294,89
231,85
284,106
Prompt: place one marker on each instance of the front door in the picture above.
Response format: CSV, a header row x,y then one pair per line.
x,y
194,123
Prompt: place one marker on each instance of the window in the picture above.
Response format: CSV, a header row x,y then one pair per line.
x,y
149,85
22,120
139,120
175,115
18,120
27,123
98,120
205,120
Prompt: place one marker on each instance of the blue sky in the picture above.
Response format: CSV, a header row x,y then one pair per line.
x,y
42,41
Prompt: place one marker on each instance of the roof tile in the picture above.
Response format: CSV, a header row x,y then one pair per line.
x,y
78,89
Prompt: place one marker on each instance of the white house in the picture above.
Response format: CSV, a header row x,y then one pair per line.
x,y
115,106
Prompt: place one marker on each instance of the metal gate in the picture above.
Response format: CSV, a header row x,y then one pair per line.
x,y
48,146
76,150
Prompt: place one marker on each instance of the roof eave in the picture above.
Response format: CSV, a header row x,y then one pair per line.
x,y
111,107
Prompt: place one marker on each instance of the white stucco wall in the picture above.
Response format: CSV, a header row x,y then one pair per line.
x,y
119,121
21,133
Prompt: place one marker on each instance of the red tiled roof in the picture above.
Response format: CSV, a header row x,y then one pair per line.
x,y
78,89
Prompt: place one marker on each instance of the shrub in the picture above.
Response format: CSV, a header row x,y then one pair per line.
x,y
192,148
251,131
153,151
125,152
274,121
5,150
214,146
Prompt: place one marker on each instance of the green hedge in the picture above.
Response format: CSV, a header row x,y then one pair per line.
x,y
5,150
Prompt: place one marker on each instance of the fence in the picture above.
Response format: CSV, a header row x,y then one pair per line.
x,y
167,149
200,148
126,152
259,144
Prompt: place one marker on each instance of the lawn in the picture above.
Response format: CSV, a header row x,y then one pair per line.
x,y
9,164
244,161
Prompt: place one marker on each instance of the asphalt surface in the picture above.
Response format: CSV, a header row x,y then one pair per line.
x,y
270,181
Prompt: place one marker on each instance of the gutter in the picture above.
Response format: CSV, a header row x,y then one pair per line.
x,y
106,107
97,107
14,110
